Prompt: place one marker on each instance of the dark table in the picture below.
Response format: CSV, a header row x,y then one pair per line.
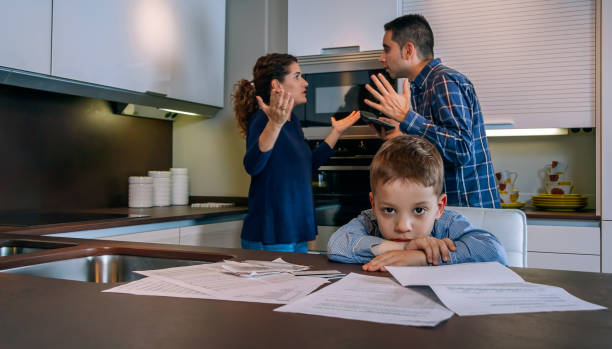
x,y
53,313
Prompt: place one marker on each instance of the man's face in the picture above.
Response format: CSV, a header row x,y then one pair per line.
x,y
391,57
406,210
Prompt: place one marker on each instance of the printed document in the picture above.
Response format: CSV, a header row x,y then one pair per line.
x,y
455,274
522,297
488,288
371,298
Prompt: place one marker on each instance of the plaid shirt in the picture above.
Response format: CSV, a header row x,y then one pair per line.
x,y
446,111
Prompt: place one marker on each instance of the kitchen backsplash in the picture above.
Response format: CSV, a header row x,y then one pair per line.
x,y
61,151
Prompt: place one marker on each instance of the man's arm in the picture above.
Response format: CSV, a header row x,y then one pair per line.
x,y
451,128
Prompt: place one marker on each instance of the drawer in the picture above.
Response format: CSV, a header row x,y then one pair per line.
x,y
563,261
564,239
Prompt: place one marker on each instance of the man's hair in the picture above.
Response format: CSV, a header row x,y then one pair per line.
x,y
415,29
409,158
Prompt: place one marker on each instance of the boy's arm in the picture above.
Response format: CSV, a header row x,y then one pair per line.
x,y
352,243
404,257
473,244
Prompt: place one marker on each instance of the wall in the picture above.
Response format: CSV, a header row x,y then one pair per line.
x,y
60,151
212,149
528,155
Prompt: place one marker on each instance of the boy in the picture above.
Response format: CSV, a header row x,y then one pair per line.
x,y
407,224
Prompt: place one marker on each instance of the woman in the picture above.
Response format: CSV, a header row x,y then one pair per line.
x,y
281,209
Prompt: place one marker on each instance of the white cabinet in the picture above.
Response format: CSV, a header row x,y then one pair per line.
x,y
224,234
169,47
164,236
563,247
606,246
317,24
25,33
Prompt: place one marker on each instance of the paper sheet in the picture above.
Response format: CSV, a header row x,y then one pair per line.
x,y
156,287
522,297
211,280
371,298
456,274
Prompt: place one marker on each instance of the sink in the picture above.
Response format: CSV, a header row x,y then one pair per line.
x,y
101,269
15,247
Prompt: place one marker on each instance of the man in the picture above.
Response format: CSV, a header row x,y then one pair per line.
x,y
440,105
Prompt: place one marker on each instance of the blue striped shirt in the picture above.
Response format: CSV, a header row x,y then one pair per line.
x,y
446,112
353,242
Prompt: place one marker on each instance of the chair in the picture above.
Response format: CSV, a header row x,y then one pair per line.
x,y
508,225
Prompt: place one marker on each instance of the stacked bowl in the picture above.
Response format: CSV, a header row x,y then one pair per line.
x,y
180,186
140,191
161,187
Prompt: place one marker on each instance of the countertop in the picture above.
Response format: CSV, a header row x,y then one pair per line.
x,y
153,215
53,313
177,213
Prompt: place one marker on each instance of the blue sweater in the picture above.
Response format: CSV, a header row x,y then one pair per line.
x,y
281,208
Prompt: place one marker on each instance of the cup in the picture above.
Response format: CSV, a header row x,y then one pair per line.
x,y
506,177
509,196
565,186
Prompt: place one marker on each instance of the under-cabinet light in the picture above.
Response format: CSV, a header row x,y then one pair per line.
x,y
527,132
178,111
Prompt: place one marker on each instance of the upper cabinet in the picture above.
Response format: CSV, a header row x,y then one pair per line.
x,y
25,35
317,24
173,48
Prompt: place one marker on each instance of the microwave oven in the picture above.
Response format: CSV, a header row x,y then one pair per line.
x,y
337,89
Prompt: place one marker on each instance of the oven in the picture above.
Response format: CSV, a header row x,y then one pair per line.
x,y
336,86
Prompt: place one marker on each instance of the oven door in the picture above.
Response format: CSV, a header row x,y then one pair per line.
x,y
336,94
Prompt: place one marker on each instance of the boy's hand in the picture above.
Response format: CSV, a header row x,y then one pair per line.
x,y
433,248
405,257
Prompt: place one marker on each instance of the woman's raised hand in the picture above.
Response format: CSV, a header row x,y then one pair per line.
x,y
281,105
342,124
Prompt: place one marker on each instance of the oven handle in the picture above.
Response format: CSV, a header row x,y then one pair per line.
x,y
344,168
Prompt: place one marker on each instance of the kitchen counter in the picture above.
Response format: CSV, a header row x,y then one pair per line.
x,y
152,215
50,313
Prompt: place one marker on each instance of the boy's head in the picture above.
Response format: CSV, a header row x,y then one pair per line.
x,y
406,179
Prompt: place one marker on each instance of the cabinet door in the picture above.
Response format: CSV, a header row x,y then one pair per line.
x,y
225,234
25,35
606,246
169,47
317,24
164,236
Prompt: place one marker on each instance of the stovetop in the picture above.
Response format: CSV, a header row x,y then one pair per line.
x,y
30,218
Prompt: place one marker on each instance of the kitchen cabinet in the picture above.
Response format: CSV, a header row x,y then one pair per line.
x,y
316,24
564,247
25,32
174,48
605,136
222,234
163,236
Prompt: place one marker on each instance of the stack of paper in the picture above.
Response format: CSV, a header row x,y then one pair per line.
x,y
212,281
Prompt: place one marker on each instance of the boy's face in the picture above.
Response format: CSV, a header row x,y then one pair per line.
x,y
406,210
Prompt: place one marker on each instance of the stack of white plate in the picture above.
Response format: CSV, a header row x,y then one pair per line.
x,y
140,191
180,186
161,187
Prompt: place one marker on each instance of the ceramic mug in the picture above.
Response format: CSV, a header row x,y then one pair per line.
x,y
506,177
509,196
565,186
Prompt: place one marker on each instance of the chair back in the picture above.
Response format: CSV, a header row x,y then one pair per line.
x,y
508,225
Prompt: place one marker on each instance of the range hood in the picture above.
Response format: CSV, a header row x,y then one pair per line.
x,y
125,102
